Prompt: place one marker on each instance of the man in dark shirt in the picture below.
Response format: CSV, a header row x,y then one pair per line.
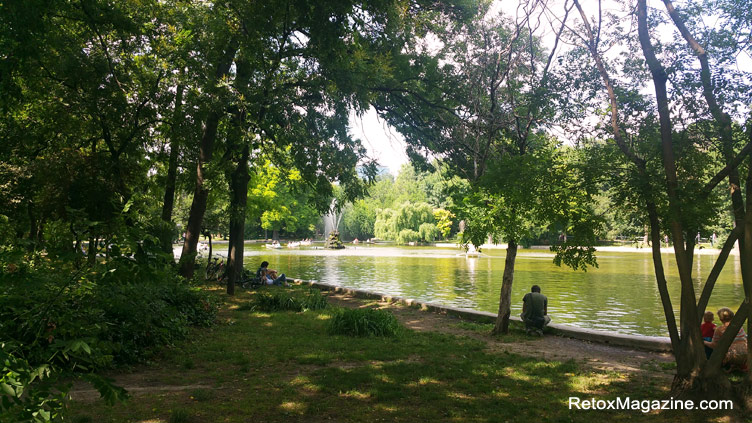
x,y
535,311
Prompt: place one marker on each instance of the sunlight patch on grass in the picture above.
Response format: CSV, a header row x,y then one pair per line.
x,y
323,317
355,394
500,394
459,395
293,407
514,374
383,378
427,381
300,380
262,315
387,408
593,382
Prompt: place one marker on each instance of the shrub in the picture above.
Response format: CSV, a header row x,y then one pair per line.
x,y
58,322
290,300
363,322
407,235
428,232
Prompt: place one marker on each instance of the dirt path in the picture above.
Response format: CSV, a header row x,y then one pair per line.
x,y
597,356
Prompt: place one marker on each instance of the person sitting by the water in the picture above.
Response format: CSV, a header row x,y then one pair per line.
x,y
708,329
269,276
736,357
535,311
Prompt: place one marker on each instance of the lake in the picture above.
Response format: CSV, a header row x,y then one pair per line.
x,y
620,295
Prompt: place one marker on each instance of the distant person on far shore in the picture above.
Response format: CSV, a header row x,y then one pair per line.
x,y
713,239
535,311
736,357
708,329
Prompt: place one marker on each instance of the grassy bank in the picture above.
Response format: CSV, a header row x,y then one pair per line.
x,y
285,366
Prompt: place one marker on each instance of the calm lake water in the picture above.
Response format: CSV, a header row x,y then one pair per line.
x,y
620,296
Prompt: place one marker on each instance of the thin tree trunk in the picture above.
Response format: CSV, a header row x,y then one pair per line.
x,y
209,236
505,296
92,252
201,192
746,263
691,346
724,124
32,226
238,200
172,166
660,277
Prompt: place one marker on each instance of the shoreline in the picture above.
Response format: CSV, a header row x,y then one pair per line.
x,y
641,342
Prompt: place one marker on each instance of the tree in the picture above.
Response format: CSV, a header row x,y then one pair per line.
x,y
671,200
483,112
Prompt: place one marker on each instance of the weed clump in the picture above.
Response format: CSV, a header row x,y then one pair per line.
x,y
290,301
363,322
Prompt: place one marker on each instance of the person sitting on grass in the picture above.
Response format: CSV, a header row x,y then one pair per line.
x,y
535,311
269,276
736,357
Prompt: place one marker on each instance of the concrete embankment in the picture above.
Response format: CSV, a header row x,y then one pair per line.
x,y
650,343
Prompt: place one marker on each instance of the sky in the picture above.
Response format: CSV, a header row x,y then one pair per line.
x,y
387,146
383,142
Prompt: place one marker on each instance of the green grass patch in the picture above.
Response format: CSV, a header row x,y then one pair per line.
x,y
288,300
363,322
180,415
282,367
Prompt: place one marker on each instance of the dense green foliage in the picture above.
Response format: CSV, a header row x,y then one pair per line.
x,y
59,322
402,204
363,322
125,124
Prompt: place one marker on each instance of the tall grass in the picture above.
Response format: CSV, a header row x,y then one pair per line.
x,y
363,322
290,300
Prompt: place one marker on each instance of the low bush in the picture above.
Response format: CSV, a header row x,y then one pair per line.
x,y
59,322
290,300
363,322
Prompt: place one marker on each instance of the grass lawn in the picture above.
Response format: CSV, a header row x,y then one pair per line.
x,y
285,367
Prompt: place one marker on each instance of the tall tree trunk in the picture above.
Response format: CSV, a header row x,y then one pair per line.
x,y
209,237
172,167
91,254
505,297
201,192
238,200
660,277
724,124
746,262
691,345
